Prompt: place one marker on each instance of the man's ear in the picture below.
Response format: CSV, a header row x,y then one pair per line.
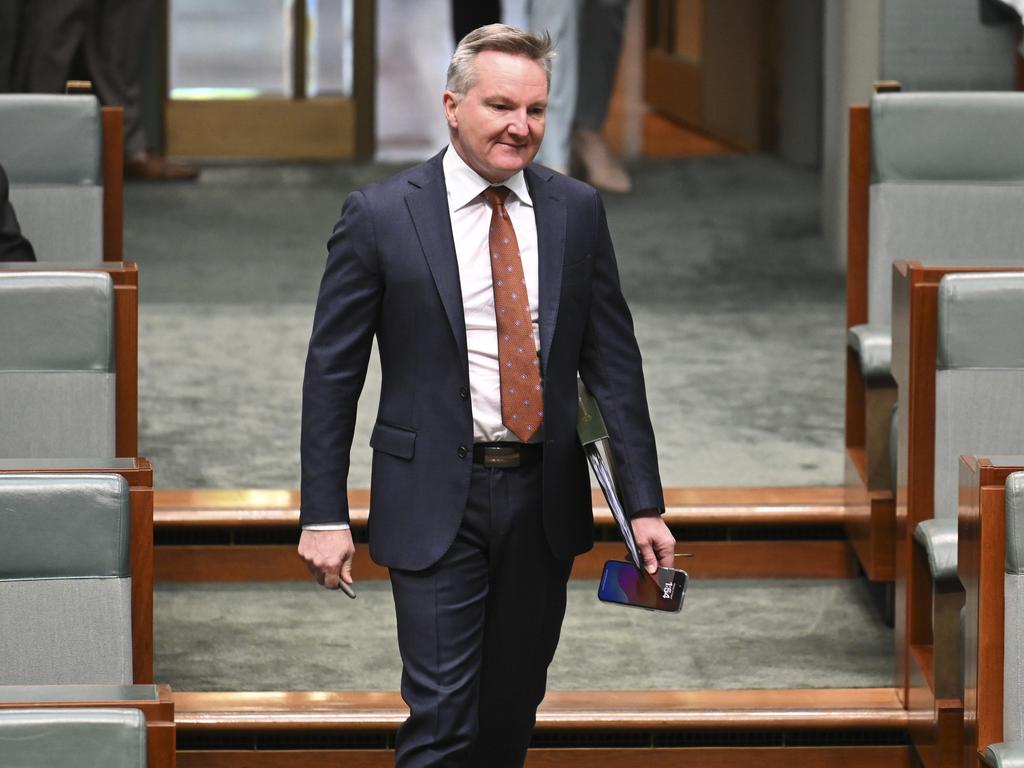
x,y
451,104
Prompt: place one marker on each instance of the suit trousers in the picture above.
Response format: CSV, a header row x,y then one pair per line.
x,y
111,35
478,629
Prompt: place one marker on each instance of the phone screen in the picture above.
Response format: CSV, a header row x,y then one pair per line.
x,y
624,583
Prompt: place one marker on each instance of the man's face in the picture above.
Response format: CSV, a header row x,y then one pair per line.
x,y
497,126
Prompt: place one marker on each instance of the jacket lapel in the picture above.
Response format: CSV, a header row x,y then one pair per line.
x,y
549,212
428,205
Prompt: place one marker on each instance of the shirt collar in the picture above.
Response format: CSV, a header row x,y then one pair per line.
x,y
464,185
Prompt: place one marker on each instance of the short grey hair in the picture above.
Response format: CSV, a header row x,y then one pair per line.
x,y
496,37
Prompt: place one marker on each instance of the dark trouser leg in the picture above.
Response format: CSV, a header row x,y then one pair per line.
x,y
525,609
440,625
10,22
114,52
52,31
478,629
601,27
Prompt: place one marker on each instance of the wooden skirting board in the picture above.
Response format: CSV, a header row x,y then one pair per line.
x,y
655,718
695,757
728,508
825,709
684,506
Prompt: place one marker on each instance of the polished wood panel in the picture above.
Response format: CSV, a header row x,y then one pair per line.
x,y
871,526
140,485
159,714
684,506
858,196
126,353
981,548
674,87
740,559
869,521
113,183
847,709
712,560
323,128
693,757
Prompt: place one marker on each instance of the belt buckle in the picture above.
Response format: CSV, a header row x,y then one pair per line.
x,y
501,456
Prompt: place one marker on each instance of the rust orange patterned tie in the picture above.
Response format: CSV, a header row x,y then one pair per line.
x,y
522,401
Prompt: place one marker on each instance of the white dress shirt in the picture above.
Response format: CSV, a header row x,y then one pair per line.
x,y
471,222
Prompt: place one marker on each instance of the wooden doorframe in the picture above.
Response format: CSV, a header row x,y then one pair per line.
x,y
297,128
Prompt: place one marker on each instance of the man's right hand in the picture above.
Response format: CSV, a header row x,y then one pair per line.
x,y
328,555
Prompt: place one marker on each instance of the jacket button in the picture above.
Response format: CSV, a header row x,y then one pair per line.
x,y
464,393
463,451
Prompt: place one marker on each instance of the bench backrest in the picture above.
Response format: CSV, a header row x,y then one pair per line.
x,y
57,365
65,582
52,149
947,184
979,381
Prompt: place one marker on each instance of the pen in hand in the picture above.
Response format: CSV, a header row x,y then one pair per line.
x,y
347,589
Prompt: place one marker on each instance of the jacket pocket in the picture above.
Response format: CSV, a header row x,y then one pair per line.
x,y
394,440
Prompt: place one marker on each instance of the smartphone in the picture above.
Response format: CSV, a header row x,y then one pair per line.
x,y
624,583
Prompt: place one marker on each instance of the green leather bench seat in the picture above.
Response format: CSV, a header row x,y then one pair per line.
x,y
52,149
65,586
1010,753
57,364
84,738
978,386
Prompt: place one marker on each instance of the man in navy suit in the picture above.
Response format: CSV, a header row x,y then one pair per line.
x,y
489,284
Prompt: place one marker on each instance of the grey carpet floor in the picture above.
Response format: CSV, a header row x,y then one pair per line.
x,y
738,312
729,635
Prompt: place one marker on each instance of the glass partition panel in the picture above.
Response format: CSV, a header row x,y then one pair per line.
x,y
329,47
230,49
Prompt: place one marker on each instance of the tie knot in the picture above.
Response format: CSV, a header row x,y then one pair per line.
x,y
496,195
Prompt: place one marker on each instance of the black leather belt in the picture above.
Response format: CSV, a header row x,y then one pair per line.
x,y
506,455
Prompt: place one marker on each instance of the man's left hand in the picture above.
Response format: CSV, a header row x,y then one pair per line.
x,y
655,541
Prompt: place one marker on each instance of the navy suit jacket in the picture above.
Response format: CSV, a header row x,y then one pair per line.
x,y
392,272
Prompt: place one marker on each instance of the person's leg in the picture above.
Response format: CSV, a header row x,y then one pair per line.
x,y
602,23
51,34
440,628
525,608
10,28
601,29
114,50
560,18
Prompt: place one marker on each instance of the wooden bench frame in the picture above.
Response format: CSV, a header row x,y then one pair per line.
x,y
870,524
981,546
769,509
576,712
915,305
140,485
125,276
926,632
113,183
161,729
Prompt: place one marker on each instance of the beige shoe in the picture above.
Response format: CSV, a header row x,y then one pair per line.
x,y
600,167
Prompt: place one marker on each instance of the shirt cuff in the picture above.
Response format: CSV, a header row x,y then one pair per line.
x,y
326,527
